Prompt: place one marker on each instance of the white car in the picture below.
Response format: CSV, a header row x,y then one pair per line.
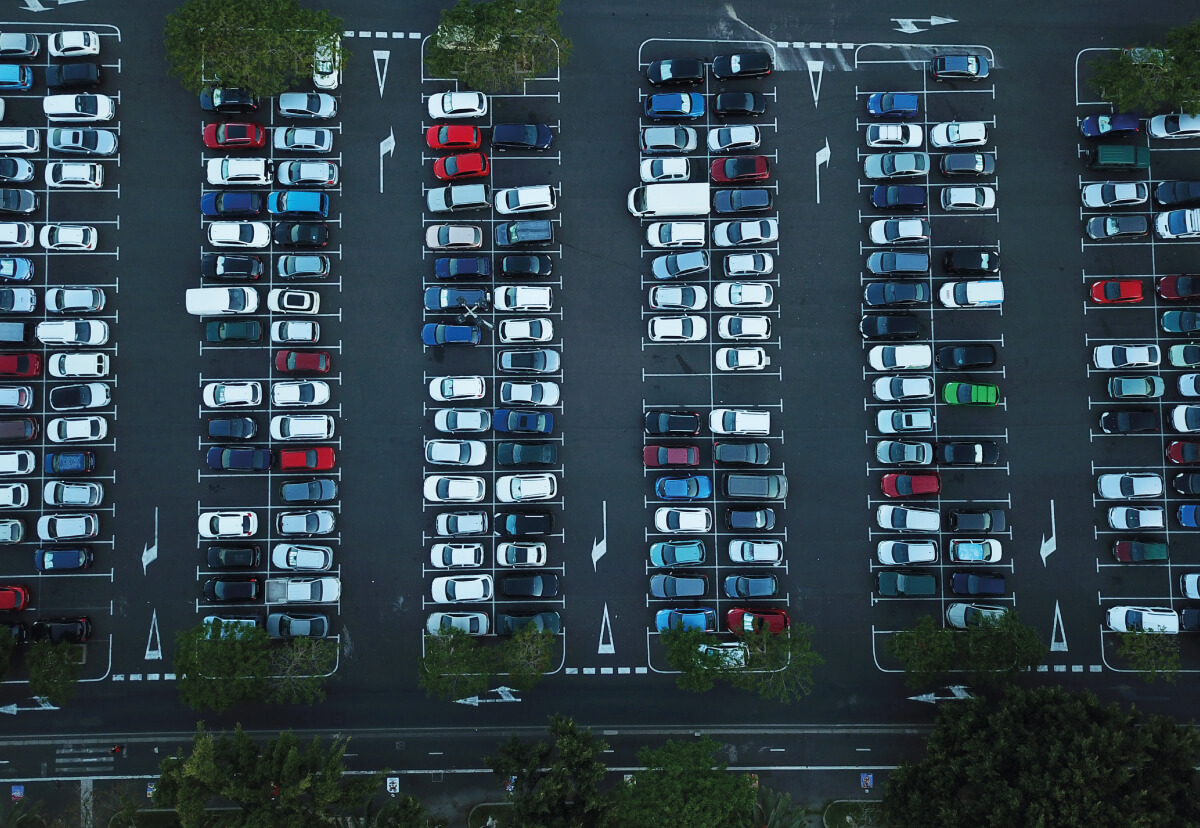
x,y
1142,619
68,237
232,394
961,616
446,389
756,551
16,396
303,139
1178,224
68,527
899,231
666,234
744,327
307,522
16,495
743,295
80,396
456,555
74,300
455,452
16,234
21,300
899,553
72,332
227,524
1186,418
1129,485
21,170
686,520
75,175
900,357
746,232
741,359
453,237
1115,194
523,298
471,623
302,427
1108,357
238,171
444,488
540,394
526,330
958,134
978,293
677,328
733,138
300,392
87,141
901,420
748,264
16,462
294,330
456,420
301,557
739,421
327,64
985,550
512,553
308,174
1175,126
239,234
678,297
534,199
895,135
908,519
663,170
87,107
294,300
968,198
458,105
518,488
76,429
61,493
902,389
1136,517
307,105
458,588
72,44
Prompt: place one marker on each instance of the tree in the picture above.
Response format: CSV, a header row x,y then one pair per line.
x,y
697,671
780,666
526,657
557,785
1153,654
404,812
300,669
990,651
927,651
681,788
7,645
778,811
496,45
265,47
221,665
54,670
455,666
1047,757
1153,79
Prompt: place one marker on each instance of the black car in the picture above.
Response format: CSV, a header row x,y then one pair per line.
x,y
59,630
532,265
747,454
1129,421
739,105
537,585
301,234
224,266
897,264
317,490
227,99
16,631
232,428
977,520
462,267
971,260
890,326
73,76
231,589
234,557
1178,193
1187,483
526,454
227,458
524,524
972,67
976,583
763,519
513,623
678,423
962,357
524,231
742,65
675,72
749,200
968,163
521,137
898,197
967,453
886,294
248,331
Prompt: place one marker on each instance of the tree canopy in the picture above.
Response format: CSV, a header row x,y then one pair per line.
x,y
54,671
218,668
264,47
1045,757
1154,78
777,666
990,652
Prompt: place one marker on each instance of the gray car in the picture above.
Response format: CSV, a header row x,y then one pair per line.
x,y
678,586
896,165
82,141
756,486
513,623
283,625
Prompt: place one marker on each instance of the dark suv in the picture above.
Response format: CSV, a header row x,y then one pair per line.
x,y
524,231
971,260
977,520
968,163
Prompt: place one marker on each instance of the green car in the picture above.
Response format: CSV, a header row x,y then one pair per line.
x,y
970,393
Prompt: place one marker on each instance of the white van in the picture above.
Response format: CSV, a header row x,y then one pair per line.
x,y
221,300
19,140
739,421
670,200
979,293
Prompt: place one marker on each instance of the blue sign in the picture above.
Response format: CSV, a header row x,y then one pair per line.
x,y
866,780
18,793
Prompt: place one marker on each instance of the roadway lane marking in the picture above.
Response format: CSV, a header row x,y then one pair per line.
x,y
381,66
1058,635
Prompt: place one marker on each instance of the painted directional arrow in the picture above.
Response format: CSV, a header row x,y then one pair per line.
x,y
41,704
382,56
506,695
1048,543
386,147
908,25
1058,634
150,553
822,158
600,544
815,68
33,6
957,691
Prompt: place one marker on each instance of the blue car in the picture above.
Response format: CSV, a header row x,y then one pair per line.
x,y
16,269
672,105
898,197
892,105
438,334
1189,516
298,204
230,205
462,267
700,618
221,458
521,137
677,553
531,422
62,560
1110,126
437,299
691,487
14,77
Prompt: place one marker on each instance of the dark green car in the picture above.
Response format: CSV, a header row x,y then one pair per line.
x,y
970,393
249,331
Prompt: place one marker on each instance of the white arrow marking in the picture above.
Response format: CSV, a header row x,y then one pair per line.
x,y
153,642
822,158
471,700
606,645
33,6
506,693
386,147
906,25
933,21
150,553
1058,635
924,697
1049,544
382,56
815,69
957,691
600,544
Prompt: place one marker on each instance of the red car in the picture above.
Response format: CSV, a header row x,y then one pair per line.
x,y
13,598
1183,452
1179,287
671,456
467,165
741,621
295,362
911,485
1117,291
453,137
20,365
234,136
741,168
311,459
